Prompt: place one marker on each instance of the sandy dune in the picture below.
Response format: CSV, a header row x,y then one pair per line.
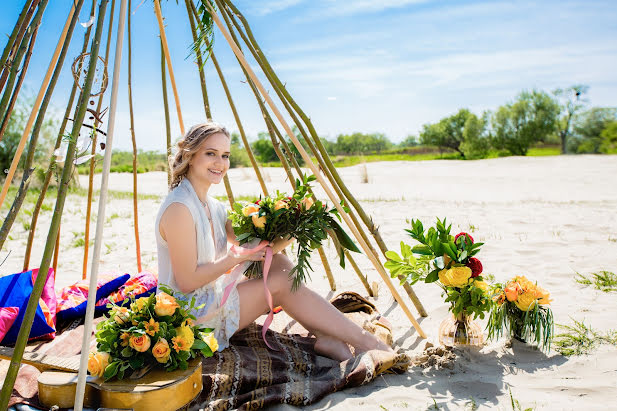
x,y
547,218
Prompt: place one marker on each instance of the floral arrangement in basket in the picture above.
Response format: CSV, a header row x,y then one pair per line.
x,y
297,216
521,308
448,260
153,331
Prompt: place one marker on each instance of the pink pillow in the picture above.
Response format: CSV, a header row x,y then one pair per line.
x,y
48,301
7,318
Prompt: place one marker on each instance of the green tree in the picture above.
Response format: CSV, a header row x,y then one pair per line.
x,y
528,120
588,127
409,141
609,139
263,149
572,101
475,142
359,143
452,131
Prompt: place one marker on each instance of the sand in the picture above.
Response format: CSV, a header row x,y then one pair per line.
x,y
544,217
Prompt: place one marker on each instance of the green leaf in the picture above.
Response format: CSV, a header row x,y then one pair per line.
x,y
343,238
422,249
111,370
432,276
392,255
449,250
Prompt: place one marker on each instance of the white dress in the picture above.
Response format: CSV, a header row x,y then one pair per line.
x,y
225,319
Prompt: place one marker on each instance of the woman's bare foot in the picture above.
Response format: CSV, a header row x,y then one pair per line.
x,y
333,348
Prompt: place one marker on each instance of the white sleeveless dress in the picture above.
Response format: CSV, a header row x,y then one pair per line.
x,y
225,319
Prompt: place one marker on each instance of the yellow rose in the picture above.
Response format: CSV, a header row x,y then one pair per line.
x,y
120,314
250,209
140,344
280,204
165,305
526,301
455,276
211,341
161,351
97,361
481,285
259,222
186,333
308,202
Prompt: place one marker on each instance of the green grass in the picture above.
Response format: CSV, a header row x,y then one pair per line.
x,y
516,405
603,280
579,339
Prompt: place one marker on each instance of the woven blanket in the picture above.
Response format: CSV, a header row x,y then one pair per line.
x,y
248,375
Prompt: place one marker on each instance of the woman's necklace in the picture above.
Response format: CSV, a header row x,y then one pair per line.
x,y
209,215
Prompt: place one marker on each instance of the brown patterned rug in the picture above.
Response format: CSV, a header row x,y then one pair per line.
x,y
248,375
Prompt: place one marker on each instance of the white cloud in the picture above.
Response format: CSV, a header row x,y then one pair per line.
x,y
263,8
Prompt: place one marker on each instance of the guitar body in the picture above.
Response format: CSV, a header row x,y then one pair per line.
x,y
157,390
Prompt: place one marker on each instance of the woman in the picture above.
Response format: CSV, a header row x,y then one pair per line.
x,y
192,231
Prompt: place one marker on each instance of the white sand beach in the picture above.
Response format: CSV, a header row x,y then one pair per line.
x,y
545,217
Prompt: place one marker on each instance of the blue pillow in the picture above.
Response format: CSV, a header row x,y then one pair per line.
x,y
15,290
73,299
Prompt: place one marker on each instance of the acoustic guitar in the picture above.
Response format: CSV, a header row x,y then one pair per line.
x,y
156,390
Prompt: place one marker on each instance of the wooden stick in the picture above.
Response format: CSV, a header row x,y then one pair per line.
x,y
100,217
11,41
159,18
315,171
130,92
166,110
35,109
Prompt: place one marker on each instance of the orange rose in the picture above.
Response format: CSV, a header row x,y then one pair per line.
x,y
250,209
512,291
281,204
544,297
140,344
97,361
259,222
161,351
165,305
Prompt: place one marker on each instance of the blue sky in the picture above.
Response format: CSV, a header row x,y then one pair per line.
x,y
359,65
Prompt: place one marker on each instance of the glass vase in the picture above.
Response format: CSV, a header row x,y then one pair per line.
x,y
460,330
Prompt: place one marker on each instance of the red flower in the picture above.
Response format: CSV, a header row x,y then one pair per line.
x,y
475,265
257,202
463,234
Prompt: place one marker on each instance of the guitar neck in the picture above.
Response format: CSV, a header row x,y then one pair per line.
x,y
43,361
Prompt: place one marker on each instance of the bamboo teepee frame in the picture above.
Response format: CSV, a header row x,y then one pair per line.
x,y
235,30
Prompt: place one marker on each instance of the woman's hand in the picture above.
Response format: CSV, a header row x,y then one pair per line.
x,y
259,255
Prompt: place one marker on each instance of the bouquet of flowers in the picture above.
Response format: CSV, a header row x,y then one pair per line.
x,y
521,307
153,331
447,259
297,216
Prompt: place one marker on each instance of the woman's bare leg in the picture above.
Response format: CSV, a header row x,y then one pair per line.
x,y
308,308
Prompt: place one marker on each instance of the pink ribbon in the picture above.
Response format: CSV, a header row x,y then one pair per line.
x,y
239,270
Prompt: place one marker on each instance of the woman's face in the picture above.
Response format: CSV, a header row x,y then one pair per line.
x,y
211,162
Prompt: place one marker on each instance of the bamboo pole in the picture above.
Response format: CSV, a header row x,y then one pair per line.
x,y
130,92
330,170
315,171
11,41
245,141
10,60
84,269
202,80
159,18
35,108
52,163
24,330
12,73
20,80
100,217
166,109
19,198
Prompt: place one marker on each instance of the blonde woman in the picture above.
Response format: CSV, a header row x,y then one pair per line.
x,y
192,232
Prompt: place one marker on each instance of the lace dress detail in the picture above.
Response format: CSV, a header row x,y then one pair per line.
x,y
225,319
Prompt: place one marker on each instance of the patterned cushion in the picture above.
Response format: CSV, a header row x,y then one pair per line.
x,y
142,285
73,299
15,290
